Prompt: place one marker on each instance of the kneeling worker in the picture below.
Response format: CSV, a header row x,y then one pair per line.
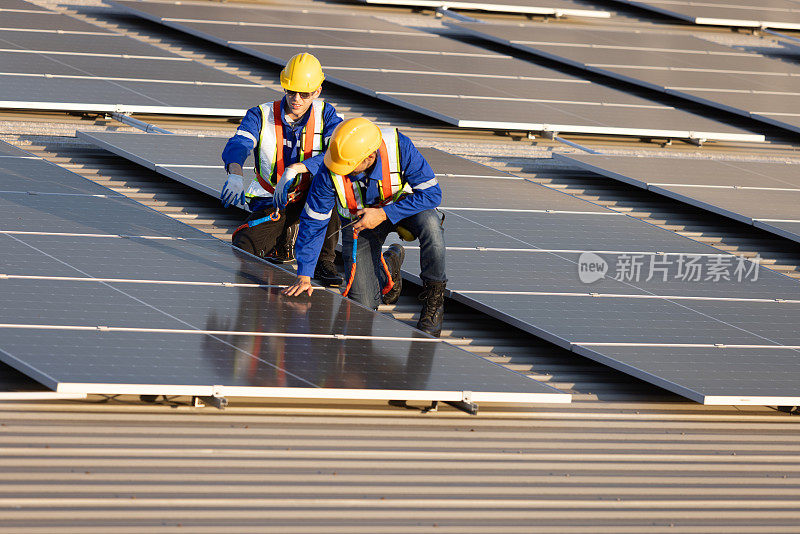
x,y
288,138
377,180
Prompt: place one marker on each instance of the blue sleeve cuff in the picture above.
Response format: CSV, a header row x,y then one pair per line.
x,y
392,214
314,163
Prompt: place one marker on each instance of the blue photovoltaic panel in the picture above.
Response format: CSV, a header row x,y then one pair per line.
x,y
195,161
53,61
708,374
762,194
514,249
679,64
783,14
419,71
185,313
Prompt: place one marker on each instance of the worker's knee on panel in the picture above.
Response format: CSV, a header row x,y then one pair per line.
x,y
244,241
429,228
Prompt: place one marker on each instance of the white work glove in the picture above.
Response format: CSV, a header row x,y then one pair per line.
x,y
282,188
233,191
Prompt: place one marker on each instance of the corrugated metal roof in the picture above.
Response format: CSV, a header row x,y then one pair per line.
x,y
601,467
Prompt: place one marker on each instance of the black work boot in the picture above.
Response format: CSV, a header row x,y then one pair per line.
x,y
327,274
394,260
432,313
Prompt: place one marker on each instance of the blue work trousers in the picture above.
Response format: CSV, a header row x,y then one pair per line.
x,y
370,276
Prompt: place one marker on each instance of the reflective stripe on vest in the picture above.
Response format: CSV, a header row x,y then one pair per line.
x,y
350,195
269,157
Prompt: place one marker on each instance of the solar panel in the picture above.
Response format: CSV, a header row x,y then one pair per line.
x,y
514,250
750,192
21,173
7,150
739,82
20,5
53,61
398,64
176,312
195,161
740,13
554,8
713,375
788,229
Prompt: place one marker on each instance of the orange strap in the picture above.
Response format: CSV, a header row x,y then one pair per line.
x,y
308,139
390,284
386,184
279,165
386,179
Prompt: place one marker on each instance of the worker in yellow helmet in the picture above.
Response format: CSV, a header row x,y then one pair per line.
x,y
378,182
288,138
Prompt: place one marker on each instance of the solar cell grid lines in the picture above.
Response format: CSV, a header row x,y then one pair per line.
x,y
757,87
132,301
556,8
54,61
782,14
418,70
763,194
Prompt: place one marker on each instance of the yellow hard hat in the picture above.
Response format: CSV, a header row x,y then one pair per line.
x,y
302,74
352,142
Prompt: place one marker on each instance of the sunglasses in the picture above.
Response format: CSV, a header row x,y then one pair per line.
x,y
304,96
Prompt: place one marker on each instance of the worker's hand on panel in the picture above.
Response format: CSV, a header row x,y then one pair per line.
x,y
233,191
370,218
285,184
301,284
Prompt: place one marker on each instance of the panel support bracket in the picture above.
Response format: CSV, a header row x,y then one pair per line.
x,y
697,141
216,400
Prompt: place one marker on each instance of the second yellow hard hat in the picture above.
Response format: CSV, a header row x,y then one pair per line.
x,y
302,74
352,141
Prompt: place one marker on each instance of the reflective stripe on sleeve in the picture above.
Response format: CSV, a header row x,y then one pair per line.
x,y
245,133
425,185
317,215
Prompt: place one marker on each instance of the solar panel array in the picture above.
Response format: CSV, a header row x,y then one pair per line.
x,y
458,83
757,87
53,61
553,8
765,195
112,297
783,14
669,310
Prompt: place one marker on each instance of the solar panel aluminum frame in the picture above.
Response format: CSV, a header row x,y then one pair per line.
x,y
699,136
713,21
500,8
122,108
318,393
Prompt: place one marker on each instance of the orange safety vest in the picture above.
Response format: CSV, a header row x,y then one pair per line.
x,y
269,162
350,195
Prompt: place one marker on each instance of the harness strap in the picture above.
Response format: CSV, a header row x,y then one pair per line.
x,y
389,284
249,224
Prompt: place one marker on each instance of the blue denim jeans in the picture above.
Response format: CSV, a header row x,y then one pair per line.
x,y
370,276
